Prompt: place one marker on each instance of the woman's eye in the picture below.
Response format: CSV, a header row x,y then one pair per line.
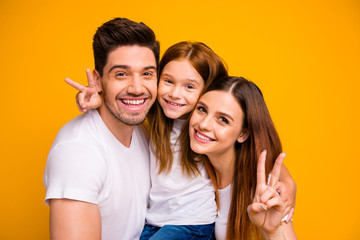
x,y
201,109
168,81
224,120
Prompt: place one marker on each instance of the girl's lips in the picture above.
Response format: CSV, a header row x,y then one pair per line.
x,y
173,105
200,137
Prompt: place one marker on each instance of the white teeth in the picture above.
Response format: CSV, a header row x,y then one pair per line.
x,y
133,102
203,137
175,104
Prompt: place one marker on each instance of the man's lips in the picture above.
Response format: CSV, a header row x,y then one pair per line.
x,y
133,101
133,104
202,137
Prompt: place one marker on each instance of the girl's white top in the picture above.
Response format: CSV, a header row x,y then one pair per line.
x,y
176,199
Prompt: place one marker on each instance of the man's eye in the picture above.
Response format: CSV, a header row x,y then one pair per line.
x,y
148,74
120,74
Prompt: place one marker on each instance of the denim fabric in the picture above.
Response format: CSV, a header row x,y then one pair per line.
x,y
179,232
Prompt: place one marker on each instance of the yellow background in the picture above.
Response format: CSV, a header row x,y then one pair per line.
x,y
304,55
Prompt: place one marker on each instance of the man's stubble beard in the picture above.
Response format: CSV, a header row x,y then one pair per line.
x,y
127,120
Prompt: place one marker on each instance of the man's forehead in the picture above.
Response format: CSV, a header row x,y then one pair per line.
x,y
132,53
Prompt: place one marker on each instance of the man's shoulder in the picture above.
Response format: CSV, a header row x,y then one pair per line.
x,y
82,128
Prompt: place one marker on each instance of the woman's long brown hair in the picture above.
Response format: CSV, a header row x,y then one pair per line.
x,y
262,135
209,66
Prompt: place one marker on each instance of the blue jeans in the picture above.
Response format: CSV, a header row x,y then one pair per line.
x,y
178,232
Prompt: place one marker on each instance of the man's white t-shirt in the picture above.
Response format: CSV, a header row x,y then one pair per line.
x,y
87,163
176,199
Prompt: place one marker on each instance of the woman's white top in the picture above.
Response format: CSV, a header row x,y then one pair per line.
x,y
222,218
176,199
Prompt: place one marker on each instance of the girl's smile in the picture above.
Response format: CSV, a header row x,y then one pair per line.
x,y
179,88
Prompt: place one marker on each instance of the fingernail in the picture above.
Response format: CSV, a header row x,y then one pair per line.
x,y
263,206
264,151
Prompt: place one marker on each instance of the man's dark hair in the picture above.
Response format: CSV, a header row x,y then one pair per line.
x,y
122,32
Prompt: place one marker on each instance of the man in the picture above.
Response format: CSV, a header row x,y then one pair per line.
x,y
97,171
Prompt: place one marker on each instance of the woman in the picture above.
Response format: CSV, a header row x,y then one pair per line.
x,y
229,128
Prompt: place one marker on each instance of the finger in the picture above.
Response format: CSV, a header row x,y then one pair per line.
x,y
268,194
90,78
75,85
275,202
261,169
91,105
291,213
281,189
287,210
256,208
275,173
80,102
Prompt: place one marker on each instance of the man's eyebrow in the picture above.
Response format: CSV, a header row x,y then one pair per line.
x,y
150,67
126,67
119,66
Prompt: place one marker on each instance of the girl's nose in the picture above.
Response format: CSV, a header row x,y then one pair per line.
x,y
175,92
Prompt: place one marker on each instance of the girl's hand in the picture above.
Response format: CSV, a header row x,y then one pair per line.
x,y
267,208
87,97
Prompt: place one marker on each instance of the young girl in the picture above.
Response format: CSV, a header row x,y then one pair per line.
x,y
229,128
181,201
182,197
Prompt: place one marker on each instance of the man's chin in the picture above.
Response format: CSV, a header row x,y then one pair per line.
x,y
132,121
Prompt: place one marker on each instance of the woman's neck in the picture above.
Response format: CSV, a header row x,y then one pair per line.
x,y
224,169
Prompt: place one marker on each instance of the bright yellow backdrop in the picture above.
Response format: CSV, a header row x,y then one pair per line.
x,y
304,55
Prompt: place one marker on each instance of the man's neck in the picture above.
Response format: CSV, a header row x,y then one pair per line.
x,y
121,131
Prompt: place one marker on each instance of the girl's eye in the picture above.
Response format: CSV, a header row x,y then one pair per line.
x,y
190,86
224,120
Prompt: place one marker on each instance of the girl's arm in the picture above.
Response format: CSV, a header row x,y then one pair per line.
x,y
87,97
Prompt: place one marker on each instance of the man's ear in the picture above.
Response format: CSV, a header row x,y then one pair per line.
x,y
243,136
97,81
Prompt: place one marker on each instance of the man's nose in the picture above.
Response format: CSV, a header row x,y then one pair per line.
x,y
135,86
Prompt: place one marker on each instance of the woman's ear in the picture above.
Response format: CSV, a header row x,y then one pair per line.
x,y
97,81
243,136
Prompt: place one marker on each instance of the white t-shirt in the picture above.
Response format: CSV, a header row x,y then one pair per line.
x,y
87,163
176,199
222,218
